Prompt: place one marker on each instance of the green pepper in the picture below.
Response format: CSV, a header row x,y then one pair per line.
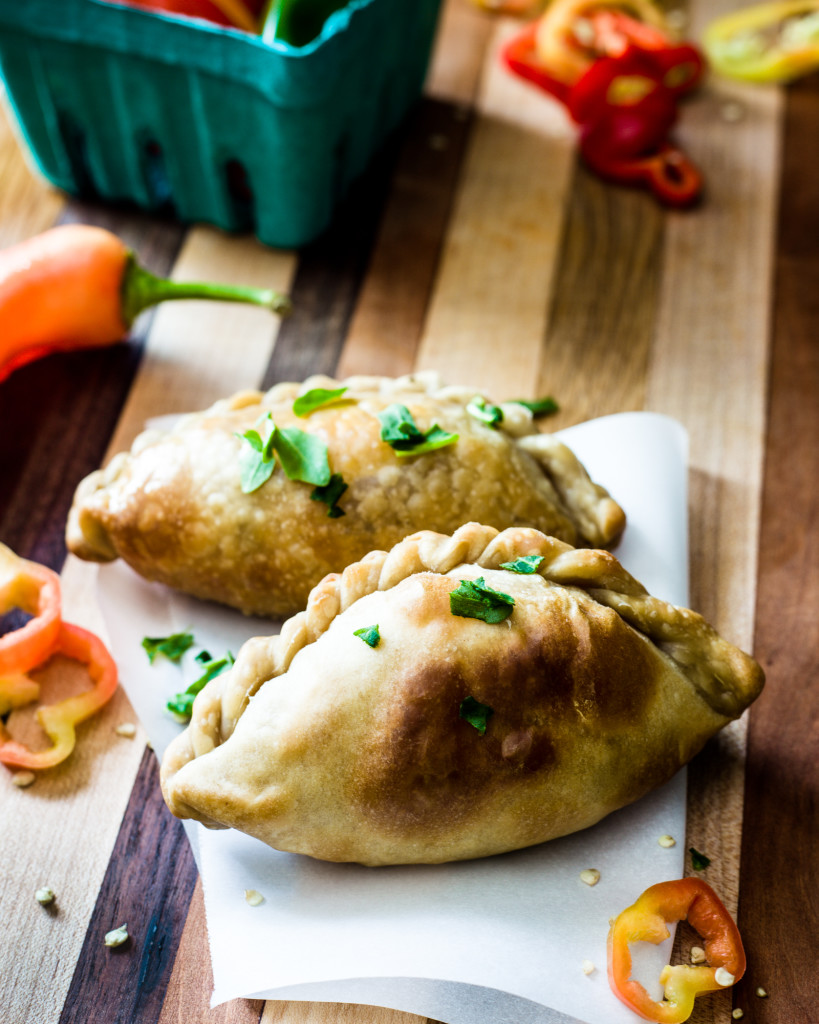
x,y
298,22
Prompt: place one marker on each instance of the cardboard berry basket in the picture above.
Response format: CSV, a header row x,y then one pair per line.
x,y
246,132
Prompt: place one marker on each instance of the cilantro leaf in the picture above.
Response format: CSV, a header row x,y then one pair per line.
x,y
370,635
475,713
303,456
256,463
315,399
699,862
172,647
330,494
526,565
475,600
400,431
182,703
491,415
539,406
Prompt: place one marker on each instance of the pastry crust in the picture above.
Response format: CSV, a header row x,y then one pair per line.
x,y
316,743
174,510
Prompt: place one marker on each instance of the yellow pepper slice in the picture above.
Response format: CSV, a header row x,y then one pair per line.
x,y
770,42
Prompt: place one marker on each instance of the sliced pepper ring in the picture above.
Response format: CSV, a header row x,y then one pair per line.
x,y
769,42
59,720
646,920
34,589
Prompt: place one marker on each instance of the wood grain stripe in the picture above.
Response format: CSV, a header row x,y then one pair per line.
x,y
779,906
27,204
148,885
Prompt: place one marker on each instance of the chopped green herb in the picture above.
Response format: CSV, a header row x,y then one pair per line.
x,y
401,433
370,635
526,565
539,406
172,647
475,600
315,399
699,862
330,494
203,656
303,456
256,462
491,415
182,703
475,713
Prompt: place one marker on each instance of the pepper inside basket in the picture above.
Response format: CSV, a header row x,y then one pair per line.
x,y
240,131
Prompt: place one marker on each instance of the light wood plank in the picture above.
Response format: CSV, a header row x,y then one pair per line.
x,y
334,1013
28,204
457,57
488,311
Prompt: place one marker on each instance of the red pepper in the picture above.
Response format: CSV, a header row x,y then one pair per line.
x,y
78,286
646,920
521,57
241,14
626,111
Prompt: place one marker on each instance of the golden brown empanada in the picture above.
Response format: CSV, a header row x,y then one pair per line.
x,y
591,691
173,507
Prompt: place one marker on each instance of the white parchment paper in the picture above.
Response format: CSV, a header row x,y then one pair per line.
x,y
484,942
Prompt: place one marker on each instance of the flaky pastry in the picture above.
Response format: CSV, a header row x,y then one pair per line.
x,y
387,725
174,509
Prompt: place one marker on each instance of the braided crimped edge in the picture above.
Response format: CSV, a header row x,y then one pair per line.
x,y
726,678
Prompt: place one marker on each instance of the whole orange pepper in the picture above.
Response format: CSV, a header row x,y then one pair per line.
x,y
79,286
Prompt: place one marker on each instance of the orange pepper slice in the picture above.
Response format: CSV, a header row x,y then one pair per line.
x,y
59,720
646,920
34,589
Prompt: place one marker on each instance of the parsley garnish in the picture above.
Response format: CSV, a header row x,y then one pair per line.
x,y
699,862
475,713
330,494
401,433
315,399
474,600
172,647
370,635
302,456
526,565
491,415
539,406
182,703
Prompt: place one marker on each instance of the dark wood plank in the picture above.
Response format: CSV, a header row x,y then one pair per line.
x,y
605,300
57,414
779,904
386,328
148,885
329,277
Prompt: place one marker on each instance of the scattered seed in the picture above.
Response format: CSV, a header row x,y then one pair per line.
x,y
44,895
737,1014
23,779
591,876
667,841
697,955
762,993
117,936
253,897
588,967
723,977
126,729
732,111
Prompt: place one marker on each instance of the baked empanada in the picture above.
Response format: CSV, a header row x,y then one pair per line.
x,y
174,508
389,725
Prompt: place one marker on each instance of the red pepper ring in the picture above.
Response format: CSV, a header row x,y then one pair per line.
x,y
59,720
670,175
521,57
646,920
35,589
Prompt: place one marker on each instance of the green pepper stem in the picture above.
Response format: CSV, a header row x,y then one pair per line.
x,y
141,289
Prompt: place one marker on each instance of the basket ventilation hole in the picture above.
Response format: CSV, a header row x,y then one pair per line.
x,y
76,150
155,174
240,193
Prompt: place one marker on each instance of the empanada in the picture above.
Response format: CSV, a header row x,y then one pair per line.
x,y
591,693
173,507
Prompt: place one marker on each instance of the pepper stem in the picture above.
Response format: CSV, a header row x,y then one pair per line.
x,y
141,289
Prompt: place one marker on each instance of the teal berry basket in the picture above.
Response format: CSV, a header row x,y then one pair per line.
x,y
244,132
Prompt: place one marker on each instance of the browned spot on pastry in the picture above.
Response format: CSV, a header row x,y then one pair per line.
x,y
563,664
